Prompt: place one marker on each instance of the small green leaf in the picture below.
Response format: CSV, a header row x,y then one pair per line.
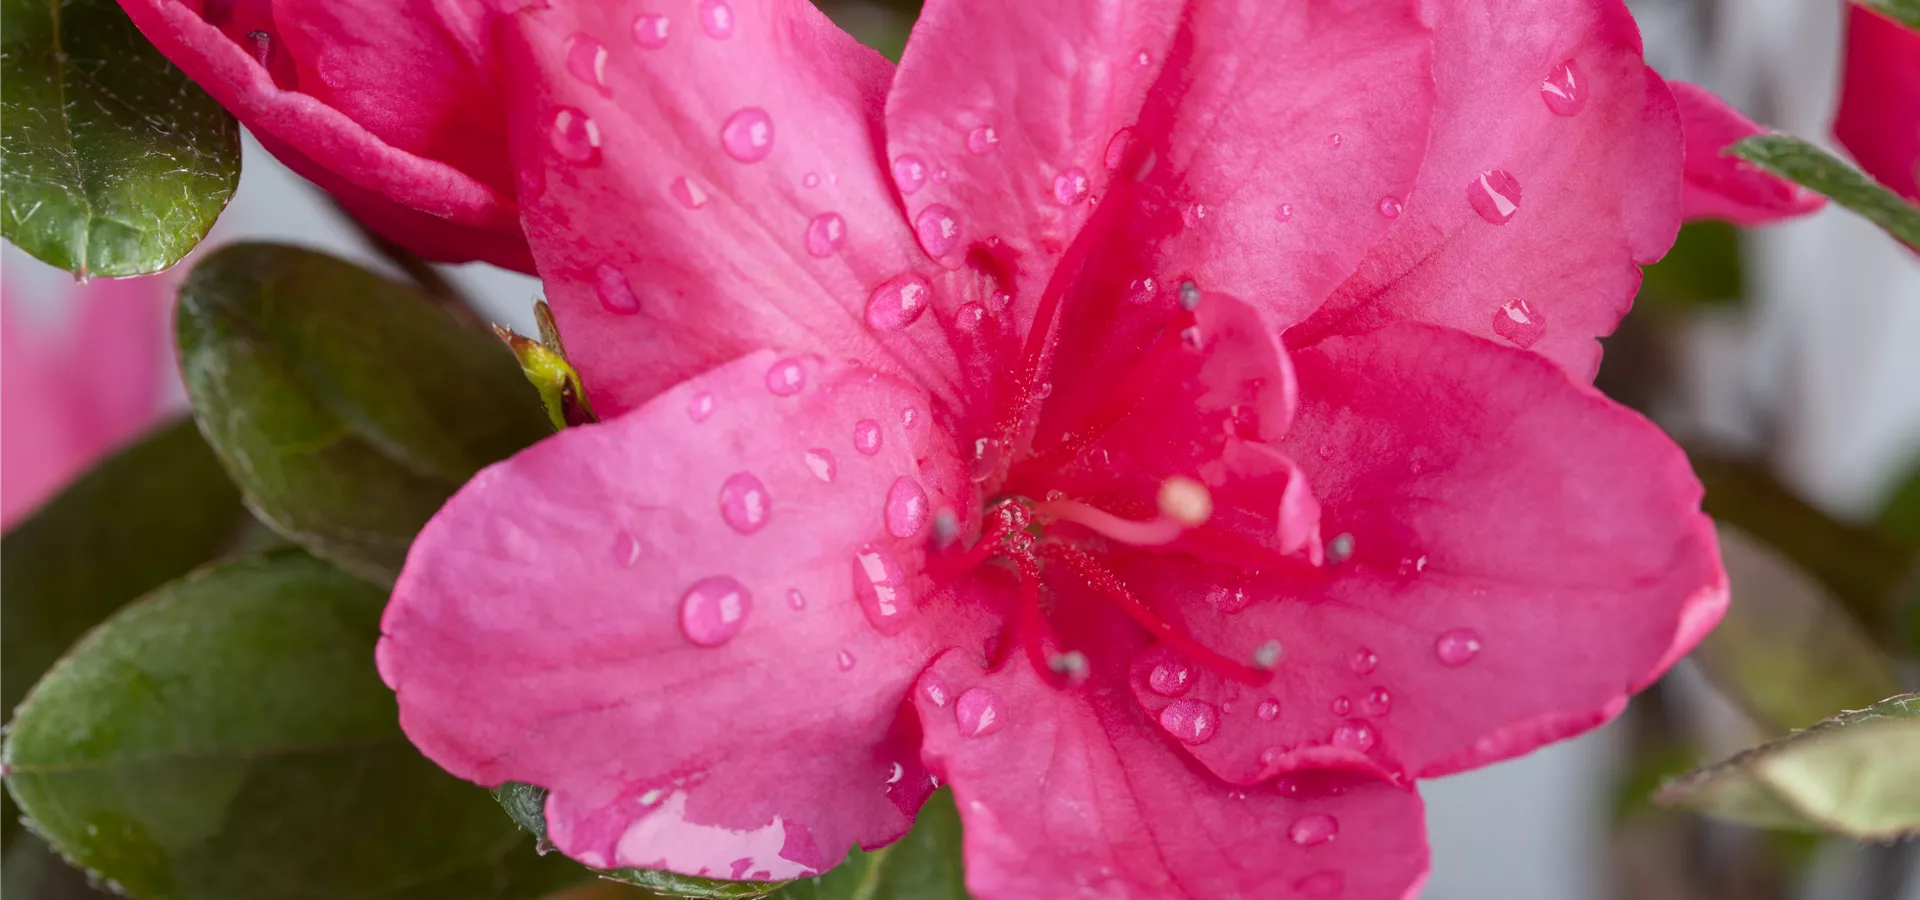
x,y
560,388
347,407
1856,774
228,738
113,162
1811,167
1906,12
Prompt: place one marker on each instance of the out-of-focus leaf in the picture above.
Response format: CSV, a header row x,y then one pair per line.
x,y
113,162
1811,167
1906,12
1856,774
347,407
880,25
1702,269
1900,515
34,872
1786,651
228,738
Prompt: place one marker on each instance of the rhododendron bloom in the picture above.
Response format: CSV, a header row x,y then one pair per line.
x,y
950,434
1879,118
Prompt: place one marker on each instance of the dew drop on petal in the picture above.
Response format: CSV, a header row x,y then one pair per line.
x,y
688,193
1340,706
616,296
650,31
626,550
1565,89
716,19
1520,323
979,712
821,463
1170,678
1071,186
898,301
1457,647
934,688
1379,702
1495,195
1355,735
1333,142
1191,722
714,610
909,417
986,459
982,139
909,173
1268,710
1322,884
867,436
1362,661
796,600
1283,212
825,234
1390,207
786,377
1314,830
845,660
1117,147
748,135
937,229
700,408
574,136
881,586
810,180
587,61
745,504
907,508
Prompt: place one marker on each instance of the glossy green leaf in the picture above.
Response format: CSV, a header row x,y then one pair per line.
x,y
1856,774
346,406
1811,167
113,162
228,738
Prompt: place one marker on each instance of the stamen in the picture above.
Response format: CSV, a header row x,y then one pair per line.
x,y
1140,534
1340,549
1071,665
1125,395
1107,583
1033,626
1215,544
1002,521
1186,501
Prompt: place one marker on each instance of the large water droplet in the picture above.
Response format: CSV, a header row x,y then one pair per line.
x,y
1495,195
626,550
907,508
867,436
898,301
825,233
716,19
745,504
688,193
748,135
1170,678
1457,647
700,408
937,229
1322,884
881,586
1314,830
909,173
1355,735
982,139
1565,89
821,463
1520,323
1362,661
1071,186
1379,702
979,712
650,31
1191,722
986,459
1268,710
587,61
1390,207
610,285
714,610
574,136
1340,705
786,377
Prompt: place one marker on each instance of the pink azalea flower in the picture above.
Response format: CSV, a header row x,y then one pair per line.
x,y
71,394
951,434
1877,122
1726,187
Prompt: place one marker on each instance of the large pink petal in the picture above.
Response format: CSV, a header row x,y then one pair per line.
x,y
1552,174
657,618
1526,553
385,108
1725,187
1876,122
1075,793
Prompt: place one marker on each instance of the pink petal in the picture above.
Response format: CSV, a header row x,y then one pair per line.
x,y
671,210
1725,187
1077,793
1525,554
1878,99
1585,162
612,614
385,108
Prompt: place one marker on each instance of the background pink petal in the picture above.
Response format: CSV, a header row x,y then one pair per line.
x,y
1876,121
1725,187
1552,174
691,569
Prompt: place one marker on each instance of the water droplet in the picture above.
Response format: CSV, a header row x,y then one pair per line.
x,y
979,712
748,135
982,139
810,180
587,61
1283,212
1142,59
574,136
616,297
1170,678
626,550
1191,722
909,173
796,600
898,301
986,459
1355,735
1410,566
700,408
786,377
1362,661
881,586
935,690
1340,705
1314,830
907,508
1117,147
909,417
1457,647
1520,323
650,31
745,503
821,463
688,193
1390,206
1142,290
1322,884
1495,195
867,436
714,610
1268,710
1565,89
825,233
1333,142
845,660
1379,702
1070,187
937,229
716,19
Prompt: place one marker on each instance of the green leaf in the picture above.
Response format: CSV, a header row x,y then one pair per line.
x,y
1906,12
1702,269
228,738
1811,167
34,872
1856,774
113,162
347,407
